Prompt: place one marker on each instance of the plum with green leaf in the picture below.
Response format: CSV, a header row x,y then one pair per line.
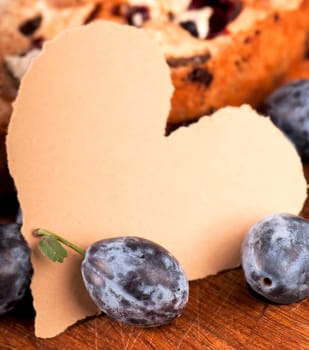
x,y
131,279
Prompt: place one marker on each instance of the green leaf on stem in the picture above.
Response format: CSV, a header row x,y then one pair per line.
x,y
51,248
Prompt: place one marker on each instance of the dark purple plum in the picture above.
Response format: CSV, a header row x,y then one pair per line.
x,y
275,258
15,266
135,281
288,108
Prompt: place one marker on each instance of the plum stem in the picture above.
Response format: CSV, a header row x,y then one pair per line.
x,y
43,232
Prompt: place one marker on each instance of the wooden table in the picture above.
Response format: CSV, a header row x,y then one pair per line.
x,y
221,314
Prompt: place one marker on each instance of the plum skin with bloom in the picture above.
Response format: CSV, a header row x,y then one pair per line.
x,y
15,266
275,258
135,281
288,108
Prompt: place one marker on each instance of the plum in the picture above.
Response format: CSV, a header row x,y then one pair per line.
x,y
15,266
135,281
288,108
275,258
131,279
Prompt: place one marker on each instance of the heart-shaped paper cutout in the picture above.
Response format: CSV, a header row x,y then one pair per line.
x,y
90,160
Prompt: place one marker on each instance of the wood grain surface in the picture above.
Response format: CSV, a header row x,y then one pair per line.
x,y
222,313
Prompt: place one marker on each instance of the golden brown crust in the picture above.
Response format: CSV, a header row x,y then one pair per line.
x,y
8,91
24,20
242,66
299,71
251,65
68,3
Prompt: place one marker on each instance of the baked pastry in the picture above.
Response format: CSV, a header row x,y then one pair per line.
x,y
223,52
299,71
248,49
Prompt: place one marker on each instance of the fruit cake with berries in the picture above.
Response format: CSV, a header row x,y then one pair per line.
x,y
220,52
224,52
